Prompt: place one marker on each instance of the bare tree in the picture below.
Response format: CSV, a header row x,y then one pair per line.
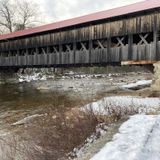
x,y
27,14
6,15
23,15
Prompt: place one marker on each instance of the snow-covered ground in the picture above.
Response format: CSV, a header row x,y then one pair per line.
x,y
126,105
138,139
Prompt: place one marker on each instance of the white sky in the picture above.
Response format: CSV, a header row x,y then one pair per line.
x,y
56,10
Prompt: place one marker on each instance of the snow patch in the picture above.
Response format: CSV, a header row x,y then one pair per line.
x,y
33,77
141,83
108,105
138,139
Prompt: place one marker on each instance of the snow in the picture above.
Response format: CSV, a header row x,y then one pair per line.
x,y
84,76
138,139
33,77
128,104
137,84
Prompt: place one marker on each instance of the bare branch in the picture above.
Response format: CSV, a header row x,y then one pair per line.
x,y
6,15
28,14
25,15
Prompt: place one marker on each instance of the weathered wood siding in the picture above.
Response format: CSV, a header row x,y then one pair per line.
x,y
98,56
132,25
132,38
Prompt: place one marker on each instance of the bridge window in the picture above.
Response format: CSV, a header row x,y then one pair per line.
x,y
81,46
42,50
21,52
100,44
67,47
158,36
143,38
13,53
51,49
54,49
5,54
119,41
31,51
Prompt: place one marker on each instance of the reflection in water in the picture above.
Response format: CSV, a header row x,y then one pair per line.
x,y
55,132
25,96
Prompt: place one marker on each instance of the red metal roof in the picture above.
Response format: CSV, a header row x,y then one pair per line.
x,y
133,8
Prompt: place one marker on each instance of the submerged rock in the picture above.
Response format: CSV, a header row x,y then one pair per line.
x,y
26,120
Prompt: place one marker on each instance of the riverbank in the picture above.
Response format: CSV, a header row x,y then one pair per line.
x,y
48,115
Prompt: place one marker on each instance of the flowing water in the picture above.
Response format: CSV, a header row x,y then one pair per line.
x,y
43,115
40,112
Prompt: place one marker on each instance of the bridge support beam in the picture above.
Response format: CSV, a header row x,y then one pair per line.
x,y
74,52
108,48
130,44
60,52
90,50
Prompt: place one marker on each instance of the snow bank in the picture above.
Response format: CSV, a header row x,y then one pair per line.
x,y
137,84
129,104
138,139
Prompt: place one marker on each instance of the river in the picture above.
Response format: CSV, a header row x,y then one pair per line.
x,y
42,109
40,119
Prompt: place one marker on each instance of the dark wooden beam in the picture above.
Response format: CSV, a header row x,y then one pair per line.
x,y
37,50
60,52
108,48
130,46
90,49
155,38
74,50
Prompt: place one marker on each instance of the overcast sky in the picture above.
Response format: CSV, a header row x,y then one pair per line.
x,y
55,10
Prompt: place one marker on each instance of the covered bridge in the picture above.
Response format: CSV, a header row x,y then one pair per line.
x,y
126,34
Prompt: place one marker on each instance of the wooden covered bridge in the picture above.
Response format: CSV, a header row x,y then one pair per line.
x,y
128,34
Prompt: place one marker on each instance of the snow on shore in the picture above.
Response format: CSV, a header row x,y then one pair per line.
x,y
138,139
137,84
124,104
33,77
